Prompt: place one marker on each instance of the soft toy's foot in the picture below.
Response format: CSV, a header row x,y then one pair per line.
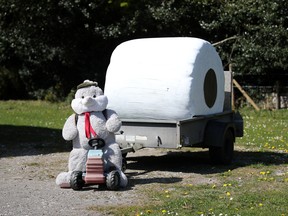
x,y
65,185
63,179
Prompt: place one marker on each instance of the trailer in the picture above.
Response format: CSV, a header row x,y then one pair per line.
x,y
173,93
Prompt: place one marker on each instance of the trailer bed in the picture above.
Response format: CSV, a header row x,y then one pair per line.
x,y
136,134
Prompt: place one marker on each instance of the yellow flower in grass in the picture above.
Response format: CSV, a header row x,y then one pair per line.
x,y
260,204
148,211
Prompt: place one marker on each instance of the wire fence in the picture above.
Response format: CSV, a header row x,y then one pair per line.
x,y
266,97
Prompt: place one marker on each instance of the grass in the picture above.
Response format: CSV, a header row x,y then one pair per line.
x,y
265,130
255,184
32,127
34,114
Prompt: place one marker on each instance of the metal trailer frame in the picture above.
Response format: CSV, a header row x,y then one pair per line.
x,y
136,134
216,131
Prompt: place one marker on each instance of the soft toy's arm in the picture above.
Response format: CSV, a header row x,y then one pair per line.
x,y
70,131
113,123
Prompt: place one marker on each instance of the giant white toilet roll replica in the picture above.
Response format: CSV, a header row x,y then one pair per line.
x,y
165,79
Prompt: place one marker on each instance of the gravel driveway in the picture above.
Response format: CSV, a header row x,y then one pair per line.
x,y
28,186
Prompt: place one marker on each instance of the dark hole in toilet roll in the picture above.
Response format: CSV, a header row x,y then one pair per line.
x,y
210,88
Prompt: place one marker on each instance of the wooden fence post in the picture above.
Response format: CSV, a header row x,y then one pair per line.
x,y
248,98
245,95
278,100
232,89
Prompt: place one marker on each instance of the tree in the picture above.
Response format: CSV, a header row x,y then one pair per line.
x,y
54,45
260,27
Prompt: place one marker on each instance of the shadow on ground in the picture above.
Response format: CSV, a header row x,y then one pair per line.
x,y
198,162
25,140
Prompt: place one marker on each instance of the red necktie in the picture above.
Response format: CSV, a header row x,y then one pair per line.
x,y
88,127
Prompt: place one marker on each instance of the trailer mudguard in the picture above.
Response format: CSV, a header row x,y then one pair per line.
x,y
215,133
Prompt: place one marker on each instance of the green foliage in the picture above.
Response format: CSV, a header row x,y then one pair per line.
x,y
48,43
11,85
51,43
261,30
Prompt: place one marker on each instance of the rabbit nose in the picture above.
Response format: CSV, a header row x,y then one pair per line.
x,y
87,100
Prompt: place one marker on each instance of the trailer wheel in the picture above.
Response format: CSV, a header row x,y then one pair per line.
x,y
223,154
76,180
113,180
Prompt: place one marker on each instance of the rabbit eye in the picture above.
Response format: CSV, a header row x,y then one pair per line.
x,y
82,97
94,96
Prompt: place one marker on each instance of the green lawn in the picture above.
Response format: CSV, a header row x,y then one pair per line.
x,y
32,127
255,184
265,130
34,114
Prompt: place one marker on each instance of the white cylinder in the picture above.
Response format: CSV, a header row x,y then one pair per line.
x,y
165,79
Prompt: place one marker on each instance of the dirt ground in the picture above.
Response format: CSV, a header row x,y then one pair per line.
x,y
27,183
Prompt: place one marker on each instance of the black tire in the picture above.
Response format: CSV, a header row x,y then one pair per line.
x,y
223,155
124,164
113,180
76,181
